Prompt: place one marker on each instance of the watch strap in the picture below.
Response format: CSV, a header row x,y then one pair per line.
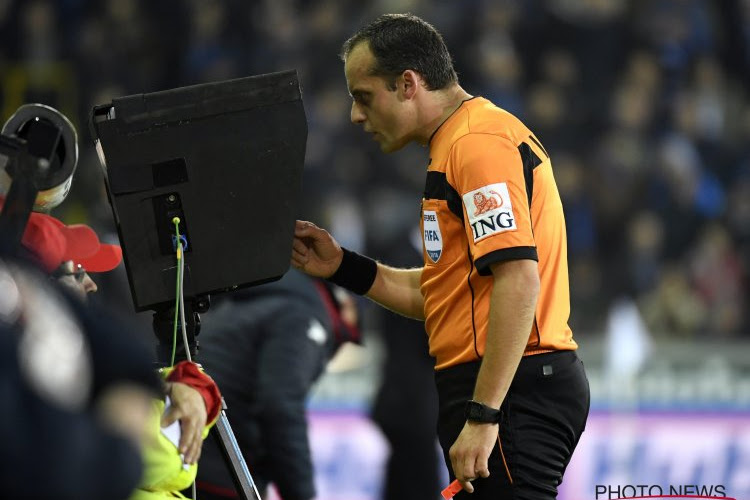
x,y
479,412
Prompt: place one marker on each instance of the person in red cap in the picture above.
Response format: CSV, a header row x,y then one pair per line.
x,y
68,252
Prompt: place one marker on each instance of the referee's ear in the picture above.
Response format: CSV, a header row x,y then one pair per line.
x,y
409,83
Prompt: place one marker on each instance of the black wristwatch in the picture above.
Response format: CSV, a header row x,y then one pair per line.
x,y
477,412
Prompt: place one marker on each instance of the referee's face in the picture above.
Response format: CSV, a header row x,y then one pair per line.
x,y
382,111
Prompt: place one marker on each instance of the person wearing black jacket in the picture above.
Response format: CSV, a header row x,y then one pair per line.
x,y
265,347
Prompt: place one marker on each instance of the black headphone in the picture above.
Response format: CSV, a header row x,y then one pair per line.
x,y
55,184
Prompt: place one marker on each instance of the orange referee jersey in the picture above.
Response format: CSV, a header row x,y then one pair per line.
x,y
490,196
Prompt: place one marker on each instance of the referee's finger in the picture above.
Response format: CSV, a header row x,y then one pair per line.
x,y
465,472
298,260
482,469
466,485
299,246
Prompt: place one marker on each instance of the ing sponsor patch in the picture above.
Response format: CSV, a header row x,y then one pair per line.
x,y
490,210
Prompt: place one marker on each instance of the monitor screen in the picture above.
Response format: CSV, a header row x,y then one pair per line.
x,y
227,159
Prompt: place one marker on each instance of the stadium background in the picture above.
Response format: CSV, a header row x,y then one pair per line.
x,y
643,106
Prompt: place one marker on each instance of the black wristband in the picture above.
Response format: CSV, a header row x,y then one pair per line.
x,y
356,272
475,411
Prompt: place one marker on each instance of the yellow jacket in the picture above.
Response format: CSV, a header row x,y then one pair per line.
x,y
164,474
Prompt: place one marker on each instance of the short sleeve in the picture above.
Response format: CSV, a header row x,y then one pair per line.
x,y
487,171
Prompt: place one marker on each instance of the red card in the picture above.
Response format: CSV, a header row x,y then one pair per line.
x,y
451,490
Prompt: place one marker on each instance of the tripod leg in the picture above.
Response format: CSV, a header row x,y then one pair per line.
x,y
243,481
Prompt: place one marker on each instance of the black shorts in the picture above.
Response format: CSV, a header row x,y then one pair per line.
x,y
543,417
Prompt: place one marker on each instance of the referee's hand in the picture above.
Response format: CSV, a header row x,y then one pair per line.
x,y
314,251
470,452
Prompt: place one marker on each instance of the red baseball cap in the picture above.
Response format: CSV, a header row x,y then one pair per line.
x,y
51,243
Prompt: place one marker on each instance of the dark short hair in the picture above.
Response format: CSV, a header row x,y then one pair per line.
x,y
405,41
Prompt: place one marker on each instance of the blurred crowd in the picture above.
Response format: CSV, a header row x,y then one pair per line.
x,y
643,106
